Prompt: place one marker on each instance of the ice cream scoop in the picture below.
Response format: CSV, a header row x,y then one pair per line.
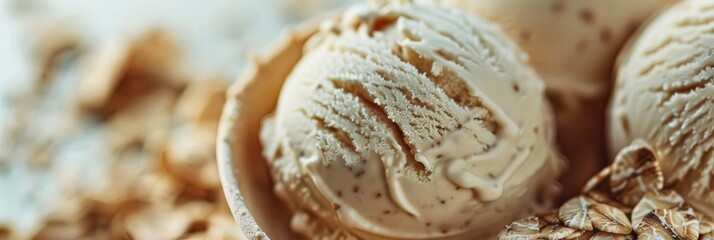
x,y
663,94
410,121
572,45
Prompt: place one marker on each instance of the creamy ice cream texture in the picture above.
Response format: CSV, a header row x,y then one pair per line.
x,y
410,121
663,94
572,44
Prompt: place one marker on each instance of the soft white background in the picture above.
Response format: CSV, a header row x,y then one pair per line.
x,y
215,37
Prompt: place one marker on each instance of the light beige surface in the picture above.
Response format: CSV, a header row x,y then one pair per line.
x,y
66,172
410,122
664,95
150,174
572,44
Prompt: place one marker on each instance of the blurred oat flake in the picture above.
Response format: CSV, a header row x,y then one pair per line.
x,y
109,110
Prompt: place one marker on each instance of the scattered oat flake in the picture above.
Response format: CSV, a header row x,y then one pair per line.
x,y
574,213
556,231
603,198
578,234
635,172
707,236
666,199
608,236
668,224
550,217
609,219
527,228
706,227
635,206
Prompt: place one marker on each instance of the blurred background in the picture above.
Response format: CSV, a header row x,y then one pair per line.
x,y
109,110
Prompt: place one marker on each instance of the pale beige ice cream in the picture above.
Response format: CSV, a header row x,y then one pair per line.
x,y
663,94
572,44
410,122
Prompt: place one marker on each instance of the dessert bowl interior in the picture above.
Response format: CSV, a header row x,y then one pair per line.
x,y
243,171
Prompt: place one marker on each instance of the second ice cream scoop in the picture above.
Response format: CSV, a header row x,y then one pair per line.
x,y
410,121
665,95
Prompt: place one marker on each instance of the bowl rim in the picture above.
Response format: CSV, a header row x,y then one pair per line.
x,y
225,158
